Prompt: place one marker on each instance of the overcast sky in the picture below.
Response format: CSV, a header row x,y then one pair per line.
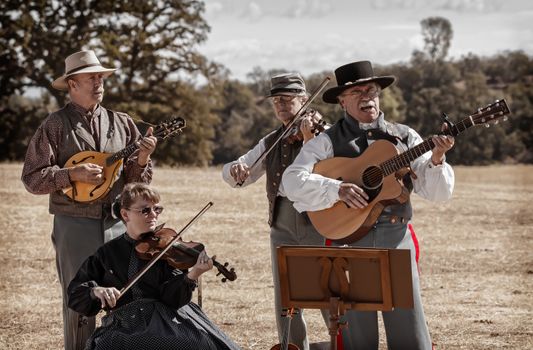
x,y
311,36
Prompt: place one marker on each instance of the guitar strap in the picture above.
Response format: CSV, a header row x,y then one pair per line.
x,y
111,128
378,134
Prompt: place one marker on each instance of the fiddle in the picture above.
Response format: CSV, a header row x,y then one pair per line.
x,y
285,345
295,134
263,155
181,255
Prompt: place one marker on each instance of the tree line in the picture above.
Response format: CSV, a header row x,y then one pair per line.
x,y
161,74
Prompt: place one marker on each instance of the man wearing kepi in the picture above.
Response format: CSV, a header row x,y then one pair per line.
x,y
80,228
287,226
357,92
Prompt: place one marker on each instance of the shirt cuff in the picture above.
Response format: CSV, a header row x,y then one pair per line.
x,y
62,179
431,165
193,284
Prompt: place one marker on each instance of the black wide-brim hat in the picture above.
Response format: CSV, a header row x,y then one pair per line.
x,y
352,74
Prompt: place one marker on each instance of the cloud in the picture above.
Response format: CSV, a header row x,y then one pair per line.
x,y
308,8
450,5
214,9
252,12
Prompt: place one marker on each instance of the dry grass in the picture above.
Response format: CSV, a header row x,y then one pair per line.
x,y
476,259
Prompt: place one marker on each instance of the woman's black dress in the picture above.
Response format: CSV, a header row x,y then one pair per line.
x,y
156,313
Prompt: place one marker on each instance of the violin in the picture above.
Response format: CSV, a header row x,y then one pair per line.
x,y
181,255
295,119
285,345
294,133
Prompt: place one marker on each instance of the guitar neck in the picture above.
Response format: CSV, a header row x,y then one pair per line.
x,y
286,332
402,160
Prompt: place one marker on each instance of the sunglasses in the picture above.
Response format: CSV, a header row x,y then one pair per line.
x,y
157,209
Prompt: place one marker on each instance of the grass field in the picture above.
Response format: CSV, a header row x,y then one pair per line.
x,y
476,261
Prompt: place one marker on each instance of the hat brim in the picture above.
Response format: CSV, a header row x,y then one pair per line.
x,y
61,83
330,95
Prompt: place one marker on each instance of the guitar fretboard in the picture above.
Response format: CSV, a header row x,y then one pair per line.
x,y
402,160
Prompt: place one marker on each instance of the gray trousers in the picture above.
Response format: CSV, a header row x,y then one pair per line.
x,y
291,228
404,328
75,239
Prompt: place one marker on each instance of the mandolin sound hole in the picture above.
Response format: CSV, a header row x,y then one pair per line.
x,y
372,177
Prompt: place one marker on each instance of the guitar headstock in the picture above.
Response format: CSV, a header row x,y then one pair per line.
x,y
491,114
169,128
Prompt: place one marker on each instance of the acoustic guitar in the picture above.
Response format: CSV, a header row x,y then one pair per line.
x,y
112,163
379,170
285,345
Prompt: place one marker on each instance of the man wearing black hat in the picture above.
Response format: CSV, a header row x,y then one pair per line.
x,y
357,92
287,226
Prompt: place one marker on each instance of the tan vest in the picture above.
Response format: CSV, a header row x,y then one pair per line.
x,y
75,138
275,164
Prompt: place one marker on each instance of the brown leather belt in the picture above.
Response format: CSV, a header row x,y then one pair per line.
x,y
392,219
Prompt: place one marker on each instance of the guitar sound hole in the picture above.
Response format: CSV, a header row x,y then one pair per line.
x,y
372,177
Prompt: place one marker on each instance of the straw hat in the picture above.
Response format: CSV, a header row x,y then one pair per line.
x,y
80,62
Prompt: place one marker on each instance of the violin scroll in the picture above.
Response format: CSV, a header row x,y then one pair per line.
x,y
223,270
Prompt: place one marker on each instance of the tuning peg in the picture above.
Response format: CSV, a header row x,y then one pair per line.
x,y
487,125
505,118
496,121
226,264
224,280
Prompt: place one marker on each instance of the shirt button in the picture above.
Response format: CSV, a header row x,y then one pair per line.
x,y
284,145
284,156
274,184
278,174
370,133
283,165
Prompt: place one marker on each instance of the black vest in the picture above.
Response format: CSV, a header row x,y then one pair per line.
x,y
275,164
349,140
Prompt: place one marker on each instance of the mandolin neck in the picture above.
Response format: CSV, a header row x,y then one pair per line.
x,y
123,153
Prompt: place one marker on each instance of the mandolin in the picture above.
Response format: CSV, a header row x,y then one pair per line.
x,y
378,170
112,163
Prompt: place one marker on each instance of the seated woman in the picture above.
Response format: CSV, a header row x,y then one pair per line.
x,y
156,312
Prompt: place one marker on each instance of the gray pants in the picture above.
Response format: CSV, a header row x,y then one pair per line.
x,y
75,239
405,328
291,228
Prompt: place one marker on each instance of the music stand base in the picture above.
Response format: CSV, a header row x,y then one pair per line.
x,y
336,309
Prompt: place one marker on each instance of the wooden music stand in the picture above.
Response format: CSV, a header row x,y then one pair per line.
x,y
340,278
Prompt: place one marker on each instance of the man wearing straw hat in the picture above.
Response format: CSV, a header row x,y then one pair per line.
x,y
287,227
357,92
80,228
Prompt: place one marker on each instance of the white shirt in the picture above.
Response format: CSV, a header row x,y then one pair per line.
x,y
249,158
312,192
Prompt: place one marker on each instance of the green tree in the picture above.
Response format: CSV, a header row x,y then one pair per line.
x,y
437,33
152,43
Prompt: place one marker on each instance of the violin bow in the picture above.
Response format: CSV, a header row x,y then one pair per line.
x,y
139,274
295,119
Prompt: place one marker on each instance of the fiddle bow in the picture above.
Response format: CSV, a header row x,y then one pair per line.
x,y
139,274
302,112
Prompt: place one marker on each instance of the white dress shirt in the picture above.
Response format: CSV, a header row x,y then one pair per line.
x,y
312,192
255,174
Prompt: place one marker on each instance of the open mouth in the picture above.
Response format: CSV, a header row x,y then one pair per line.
x,y
367,107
